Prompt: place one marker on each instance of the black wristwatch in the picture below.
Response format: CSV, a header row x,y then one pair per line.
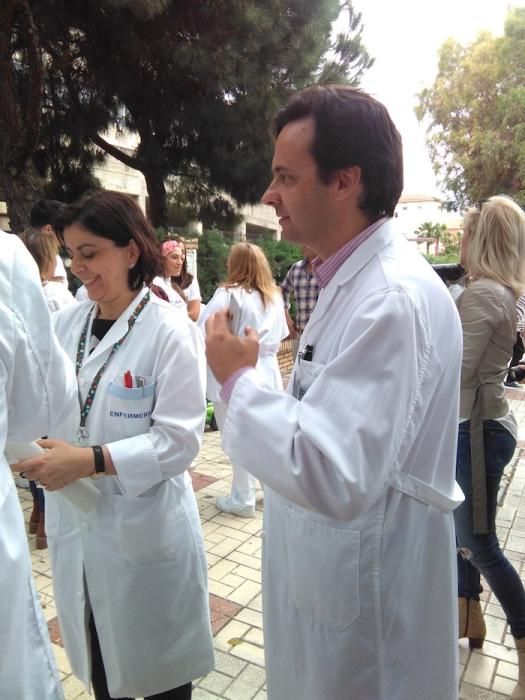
x,y
100,464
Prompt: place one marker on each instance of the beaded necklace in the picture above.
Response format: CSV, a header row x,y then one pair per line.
x,y
85,407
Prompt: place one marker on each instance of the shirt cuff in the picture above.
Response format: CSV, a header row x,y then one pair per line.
x,y
227,387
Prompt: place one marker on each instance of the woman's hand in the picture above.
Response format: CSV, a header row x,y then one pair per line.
x,y
59,465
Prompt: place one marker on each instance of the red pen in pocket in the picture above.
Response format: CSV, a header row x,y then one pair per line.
x,y
128,380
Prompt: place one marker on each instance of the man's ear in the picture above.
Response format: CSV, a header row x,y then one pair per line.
x,y
348,182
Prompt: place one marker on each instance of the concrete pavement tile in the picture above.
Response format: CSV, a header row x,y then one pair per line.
x,y
215,682
73,689
234,531
233,581
221,569
245,593
201,694
233,630
61,659
227,546
474,692
251,546
507,670
250,617
480,671
249,652
255,636
502,685
228,664
248,573
246,685
218,588
497,651
246,560
261,695
496,628
256,604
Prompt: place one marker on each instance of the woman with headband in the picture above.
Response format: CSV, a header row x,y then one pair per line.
x,y
177,282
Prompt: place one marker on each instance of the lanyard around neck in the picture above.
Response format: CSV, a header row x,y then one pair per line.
x,y
85,407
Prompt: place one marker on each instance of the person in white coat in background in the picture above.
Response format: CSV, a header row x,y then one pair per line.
x,y
37,391
358,458
254,300
130,575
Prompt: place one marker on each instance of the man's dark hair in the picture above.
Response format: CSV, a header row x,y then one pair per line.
x,y
118,218
351,129
45,212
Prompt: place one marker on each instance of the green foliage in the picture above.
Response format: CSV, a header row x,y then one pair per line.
x,y
439,259
211,262
474,112
281,255
197,82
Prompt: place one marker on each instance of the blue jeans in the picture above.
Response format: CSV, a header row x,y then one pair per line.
x,y
482,553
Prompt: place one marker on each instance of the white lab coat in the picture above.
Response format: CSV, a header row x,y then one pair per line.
x,y
141,549
359,562
174,297
269,321
57,296
37,387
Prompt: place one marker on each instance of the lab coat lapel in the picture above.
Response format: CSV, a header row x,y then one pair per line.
x,y
115,333
349,269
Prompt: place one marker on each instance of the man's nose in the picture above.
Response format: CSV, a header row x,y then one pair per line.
x,y
270,197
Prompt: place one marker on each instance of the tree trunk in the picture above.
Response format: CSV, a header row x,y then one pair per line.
x,y
158,210
20,191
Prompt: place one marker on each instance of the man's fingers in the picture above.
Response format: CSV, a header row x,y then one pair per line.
x,y
218,323
251,333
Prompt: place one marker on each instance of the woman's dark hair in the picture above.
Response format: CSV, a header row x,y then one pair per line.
x,y
351,129
118,218
185,278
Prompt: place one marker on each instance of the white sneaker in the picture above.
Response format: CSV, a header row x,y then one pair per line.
x,y
22,482
226,504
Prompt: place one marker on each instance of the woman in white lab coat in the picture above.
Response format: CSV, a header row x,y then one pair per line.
x,y
37,390
254,300
177,280
130,575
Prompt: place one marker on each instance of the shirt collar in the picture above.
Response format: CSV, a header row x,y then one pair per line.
x,y
324,270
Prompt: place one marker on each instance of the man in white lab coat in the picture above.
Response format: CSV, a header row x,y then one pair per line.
x,y
358,457
37,391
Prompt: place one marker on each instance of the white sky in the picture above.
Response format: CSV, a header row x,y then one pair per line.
x,y
404,37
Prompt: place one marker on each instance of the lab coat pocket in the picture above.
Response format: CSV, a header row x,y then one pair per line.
x,y
305,374
323,570
129,410
146,526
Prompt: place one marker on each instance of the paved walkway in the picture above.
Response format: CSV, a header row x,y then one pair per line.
x,y
234,550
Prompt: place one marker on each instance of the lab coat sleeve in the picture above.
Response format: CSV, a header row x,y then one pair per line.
x,y
332,451
480,312
173,441
41,379
219,300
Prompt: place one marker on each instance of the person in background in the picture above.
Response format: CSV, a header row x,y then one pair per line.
x,y
301,283
357,458
44,249
42,217
172,261
37,392
129,576
493,254
258,304
518,350
175,270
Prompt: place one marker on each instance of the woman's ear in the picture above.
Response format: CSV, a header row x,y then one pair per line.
x,y
133,254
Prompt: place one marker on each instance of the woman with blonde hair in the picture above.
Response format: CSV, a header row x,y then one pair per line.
x,y
44,249
493,254
254,300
